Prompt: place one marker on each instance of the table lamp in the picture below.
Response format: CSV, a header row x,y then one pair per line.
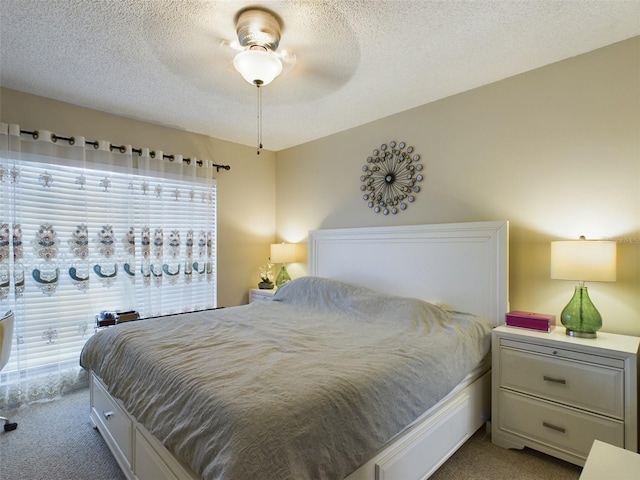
x,y
584,261
283,253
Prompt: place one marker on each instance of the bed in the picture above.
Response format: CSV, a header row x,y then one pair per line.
x,y
218,398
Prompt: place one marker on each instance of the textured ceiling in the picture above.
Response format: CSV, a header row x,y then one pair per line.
x,y
165,61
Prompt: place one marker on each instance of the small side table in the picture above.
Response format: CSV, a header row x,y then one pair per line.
x,y
557,394
258,295
607,461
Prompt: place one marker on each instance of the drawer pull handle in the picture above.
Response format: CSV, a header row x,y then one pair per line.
x,y
554,380
107,414
554,427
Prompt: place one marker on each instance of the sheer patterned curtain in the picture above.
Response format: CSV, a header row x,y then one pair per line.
x,y
86,227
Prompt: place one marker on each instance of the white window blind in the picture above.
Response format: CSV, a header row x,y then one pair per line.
x,y
79,240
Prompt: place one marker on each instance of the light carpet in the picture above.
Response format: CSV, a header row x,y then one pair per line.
x,y
57,441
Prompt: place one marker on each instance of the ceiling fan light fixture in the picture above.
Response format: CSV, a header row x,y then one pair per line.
x,y
258,66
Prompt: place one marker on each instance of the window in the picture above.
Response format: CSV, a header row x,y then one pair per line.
x,y
80,237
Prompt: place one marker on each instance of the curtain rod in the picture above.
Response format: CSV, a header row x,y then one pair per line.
x,y
121,148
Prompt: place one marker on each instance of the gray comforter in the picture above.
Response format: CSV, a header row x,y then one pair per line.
x,y
308,386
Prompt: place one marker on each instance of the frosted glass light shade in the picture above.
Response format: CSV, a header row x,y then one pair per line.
x,y
584,260
258,67
283,253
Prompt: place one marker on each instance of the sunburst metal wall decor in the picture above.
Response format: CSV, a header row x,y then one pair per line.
x,y
390,177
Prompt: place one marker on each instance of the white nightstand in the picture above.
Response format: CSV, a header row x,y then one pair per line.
x,y
557,394
257,295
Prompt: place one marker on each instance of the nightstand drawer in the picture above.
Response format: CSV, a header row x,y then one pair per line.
x,y
562,428
578,384
565,353
257,295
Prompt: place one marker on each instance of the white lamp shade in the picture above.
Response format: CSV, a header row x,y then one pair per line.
x,y
584,260
283,253
257,65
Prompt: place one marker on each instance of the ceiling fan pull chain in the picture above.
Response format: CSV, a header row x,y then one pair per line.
x,y
259,117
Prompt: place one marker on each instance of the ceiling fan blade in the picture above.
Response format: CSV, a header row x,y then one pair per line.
x,y
231,45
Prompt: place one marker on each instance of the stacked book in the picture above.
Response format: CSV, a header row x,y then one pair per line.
x,y
108,318
127,316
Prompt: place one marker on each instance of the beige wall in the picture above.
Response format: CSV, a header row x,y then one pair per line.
x,y
246,193
555,151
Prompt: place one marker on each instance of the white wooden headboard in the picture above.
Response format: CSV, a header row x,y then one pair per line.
x,y
462,265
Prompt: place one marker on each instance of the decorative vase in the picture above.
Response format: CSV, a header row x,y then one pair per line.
x,y
265,286
580,317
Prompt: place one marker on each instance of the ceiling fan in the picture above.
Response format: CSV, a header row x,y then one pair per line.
x,y
259,31
317,47
210,43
